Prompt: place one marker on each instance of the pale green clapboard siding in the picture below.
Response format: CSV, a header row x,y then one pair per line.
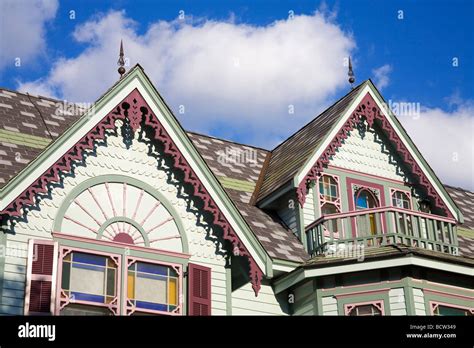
x,y
304,299
397,301
419,300
308,208
329,305
244,301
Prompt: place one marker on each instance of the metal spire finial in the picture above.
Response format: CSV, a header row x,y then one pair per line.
x,y
350,73
121,61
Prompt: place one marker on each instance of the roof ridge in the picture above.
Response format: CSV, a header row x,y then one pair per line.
x,y
317,116
227,140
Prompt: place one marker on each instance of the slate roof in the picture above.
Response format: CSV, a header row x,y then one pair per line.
x,y
465,201
288,157
29,123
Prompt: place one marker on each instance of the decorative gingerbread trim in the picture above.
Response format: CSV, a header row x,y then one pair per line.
x,y
369,111
135,114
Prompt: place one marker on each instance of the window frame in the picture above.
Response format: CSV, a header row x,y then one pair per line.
x,y
130,309
123,251
322,201
354,185
408,193
435,304
62,300
379,304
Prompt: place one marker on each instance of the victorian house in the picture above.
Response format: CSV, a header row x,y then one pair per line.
x,y
115,209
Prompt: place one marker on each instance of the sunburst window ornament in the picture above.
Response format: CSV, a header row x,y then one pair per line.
x,y
122,213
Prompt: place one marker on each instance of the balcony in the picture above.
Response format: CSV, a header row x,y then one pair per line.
x,y
382,226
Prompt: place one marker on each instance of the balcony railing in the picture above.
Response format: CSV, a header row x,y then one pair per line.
x,y
382,226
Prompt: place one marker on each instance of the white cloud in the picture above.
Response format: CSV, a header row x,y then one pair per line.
x,y
446,141
237,78
22,29
381,76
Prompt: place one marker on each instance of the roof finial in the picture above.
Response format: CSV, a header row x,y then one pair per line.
x,y
350,73
121,61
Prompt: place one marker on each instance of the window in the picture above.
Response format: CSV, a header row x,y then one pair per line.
x,y
101,275
329,200
366,224
439,309
364,199
152,287
401,199
91,284
364,309
328,188
328,209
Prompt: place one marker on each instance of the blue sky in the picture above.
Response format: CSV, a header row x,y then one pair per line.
x,y
278,62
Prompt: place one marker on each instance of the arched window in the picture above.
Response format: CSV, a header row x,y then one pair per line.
x,y
365,199
366,224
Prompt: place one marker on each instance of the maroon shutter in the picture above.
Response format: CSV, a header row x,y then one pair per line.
x,y
199,290
41,274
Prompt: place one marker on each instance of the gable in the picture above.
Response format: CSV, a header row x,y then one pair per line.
x,y
367,151
368,107
144,116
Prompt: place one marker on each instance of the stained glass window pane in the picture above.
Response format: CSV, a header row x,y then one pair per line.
x,y
89,277
173,287
153,286
110,282
89,259
66,275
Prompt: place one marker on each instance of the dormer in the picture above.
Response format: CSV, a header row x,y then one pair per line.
x,y
352,176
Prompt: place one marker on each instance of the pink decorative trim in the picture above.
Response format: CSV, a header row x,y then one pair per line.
x,y
135,109
391,283
130,307
380,210
351,171
368,110
448,294
408,193
160,224
435,304
378,304
157,204
80,224
322,200
118,244
363,292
